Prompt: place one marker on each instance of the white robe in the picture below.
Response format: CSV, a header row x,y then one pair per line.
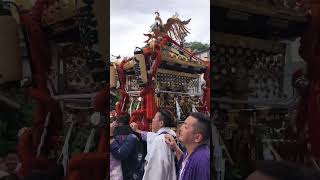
x,y
160,158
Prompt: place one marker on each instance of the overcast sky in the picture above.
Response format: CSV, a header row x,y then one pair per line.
x,y
131,18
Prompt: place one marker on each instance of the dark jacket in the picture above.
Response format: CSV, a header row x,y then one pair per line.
x,y
130,149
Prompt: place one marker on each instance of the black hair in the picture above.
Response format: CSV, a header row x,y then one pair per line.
x,y
203,126
125,128
124,119
167,117
283,170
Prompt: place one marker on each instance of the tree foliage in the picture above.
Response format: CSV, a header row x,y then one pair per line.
x,y
198,46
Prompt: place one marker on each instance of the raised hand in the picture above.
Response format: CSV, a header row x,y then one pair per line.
x,y
170,141
134,126
113,125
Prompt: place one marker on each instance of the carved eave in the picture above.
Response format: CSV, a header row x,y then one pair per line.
x,y
257,20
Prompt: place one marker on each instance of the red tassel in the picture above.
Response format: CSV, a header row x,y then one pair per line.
x,y
152,107
149,101
27,155
121,106
102,147
100,103
88,166
309,51
156,65
137,116
40,61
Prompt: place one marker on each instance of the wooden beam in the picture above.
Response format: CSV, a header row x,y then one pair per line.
x,y
262,9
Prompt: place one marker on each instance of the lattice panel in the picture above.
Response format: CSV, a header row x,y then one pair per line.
x,y
168,80
177,81
243,69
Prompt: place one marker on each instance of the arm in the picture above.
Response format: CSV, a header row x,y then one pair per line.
x,y
122,151
178,152
144,134
173,145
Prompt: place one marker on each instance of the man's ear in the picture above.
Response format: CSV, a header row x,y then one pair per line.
x,y
162,123
198,138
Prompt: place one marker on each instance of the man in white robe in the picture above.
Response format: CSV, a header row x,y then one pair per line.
x,y
159,163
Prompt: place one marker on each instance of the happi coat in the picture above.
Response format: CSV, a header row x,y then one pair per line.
x,y
197,165
159,164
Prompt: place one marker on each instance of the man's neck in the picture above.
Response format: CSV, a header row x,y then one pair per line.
x,y
191,147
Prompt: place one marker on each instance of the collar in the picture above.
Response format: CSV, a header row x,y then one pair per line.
x,y
202,146
164,129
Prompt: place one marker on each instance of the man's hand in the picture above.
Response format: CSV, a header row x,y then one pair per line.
x,y
170,141
113,125
173,145
134,126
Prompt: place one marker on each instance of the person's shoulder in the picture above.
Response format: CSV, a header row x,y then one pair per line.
x,y
172,133
133,137
202,154
159,138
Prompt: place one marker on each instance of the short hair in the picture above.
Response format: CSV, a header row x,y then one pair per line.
x,y
124,119
283,170
203,126
167,117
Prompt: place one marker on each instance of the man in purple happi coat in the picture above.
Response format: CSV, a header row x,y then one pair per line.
x,y
194,163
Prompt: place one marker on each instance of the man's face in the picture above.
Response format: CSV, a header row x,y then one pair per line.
x,y
12,161
118,124
187,132
156,123
259,176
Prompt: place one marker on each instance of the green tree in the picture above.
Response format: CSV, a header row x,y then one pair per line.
x,y
198,46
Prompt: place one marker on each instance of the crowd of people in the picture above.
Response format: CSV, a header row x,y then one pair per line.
x,y
184,154
161,154
9,164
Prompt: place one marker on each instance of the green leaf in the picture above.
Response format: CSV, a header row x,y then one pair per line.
x,y
198,46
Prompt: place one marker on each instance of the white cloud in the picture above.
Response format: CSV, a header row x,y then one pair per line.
x,y
129,19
